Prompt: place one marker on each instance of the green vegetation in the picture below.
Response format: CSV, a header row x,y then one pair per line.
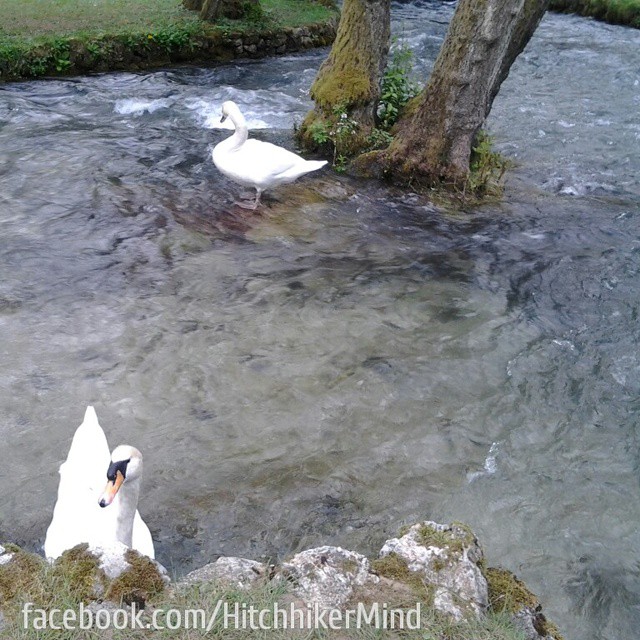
x,y
509,595
66,36
397,86
337,135
340,134
394,567
626,12
487,168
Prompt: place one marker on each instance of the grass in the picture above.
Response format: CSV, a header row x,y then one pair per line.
x,y
625,12
38,18
32,19
49,37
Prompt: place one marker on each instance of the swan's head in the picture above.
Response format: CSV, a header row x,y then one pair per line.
x,y
126,465
229,109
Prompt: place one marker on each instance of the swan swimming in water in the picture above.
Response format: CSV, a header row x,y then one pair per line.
x,y
254,163
86,510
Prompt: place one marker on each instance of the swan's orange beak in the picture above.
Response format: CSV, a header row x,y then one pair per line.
x,y
110,490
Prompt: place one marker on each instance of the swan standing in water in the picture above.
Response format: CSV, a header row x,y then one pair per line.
x,y
88,512
253,163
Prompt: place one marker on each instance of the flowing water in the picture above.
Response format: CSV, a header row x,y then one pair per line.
x,y
349,360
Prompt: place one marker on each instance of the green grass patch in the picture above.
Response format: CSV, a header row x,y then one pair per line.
x,y
294,13
32,19
624,12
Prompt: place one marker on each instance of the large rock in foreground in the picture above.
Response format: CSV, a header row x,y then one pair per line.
x,y
447,558
236,572
327,575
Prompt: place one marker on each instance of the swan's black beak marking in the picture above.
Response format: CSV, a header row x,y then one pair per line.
x,y
224,117
116,474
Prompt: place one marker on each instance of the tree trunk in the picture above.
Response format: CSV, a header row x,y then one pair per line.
x,y
433,141
192,5
211,10
349,79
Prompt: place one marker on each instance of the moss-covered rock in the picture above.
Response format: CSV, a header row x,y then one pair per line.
x,y
139,583
448,559
508,594
20,574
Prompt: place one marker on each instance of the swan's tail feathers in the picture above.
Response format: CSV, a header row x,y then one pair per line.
x,y
315,164
90,415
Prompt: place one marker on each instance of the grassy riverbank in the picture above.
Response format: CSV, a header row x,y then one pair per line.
x,y
623,12
40,37
69,583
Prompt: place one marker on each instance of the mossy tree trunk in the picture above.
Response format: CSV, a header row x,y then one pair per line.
x,y
434,140
349,79
211,10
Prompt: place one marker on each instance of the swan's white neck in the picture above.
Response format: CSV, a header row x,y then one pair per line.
x,y
241,133
125,505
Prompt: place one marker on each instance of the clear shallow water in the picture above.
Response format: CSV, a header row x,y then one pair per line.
x,y
349,361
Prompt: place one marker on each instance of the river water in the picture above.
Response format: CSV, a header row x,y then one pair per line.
x,y
353,358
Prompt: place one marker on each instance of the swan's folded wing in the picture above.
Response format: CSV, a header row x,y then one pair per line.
x,y
141,540
268,159
76,514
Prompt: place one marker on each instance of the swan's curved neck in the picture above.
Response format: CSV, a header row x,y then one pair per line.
x,y
125,504
241,133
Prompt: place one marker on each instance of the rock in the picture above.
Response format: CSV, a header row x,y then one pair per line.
x,y
532,623
115,559
327,575
239,572
508,594
447,558
111,558
5,556
2,622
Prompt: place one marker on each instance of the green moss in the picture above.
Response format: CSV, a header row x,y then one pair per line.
x,y
80,571
486,167
394,567
21,575
454,539
507,594
350,86
137,584
9,547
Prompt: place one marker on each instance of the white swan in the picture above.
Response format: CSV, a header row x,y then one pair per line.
x,y
253,163
86,511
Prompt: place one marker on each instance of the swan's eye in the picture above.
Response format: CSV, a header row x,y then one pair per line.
x,y
114,467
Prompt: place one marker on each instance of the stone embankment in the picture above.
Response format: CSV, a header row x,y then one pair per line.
x,y
440,566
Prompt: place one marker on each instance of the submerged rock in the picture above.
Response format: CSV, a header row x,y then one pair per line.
x,y
238,572
447,558
327,575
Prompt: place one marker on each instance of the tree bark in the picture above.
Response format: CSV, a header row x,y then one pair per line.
x,y
349,79
211,10
192,5
433,141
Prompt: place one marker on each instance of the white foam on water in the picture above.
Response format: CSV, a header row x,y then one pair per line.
x,y
137,106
